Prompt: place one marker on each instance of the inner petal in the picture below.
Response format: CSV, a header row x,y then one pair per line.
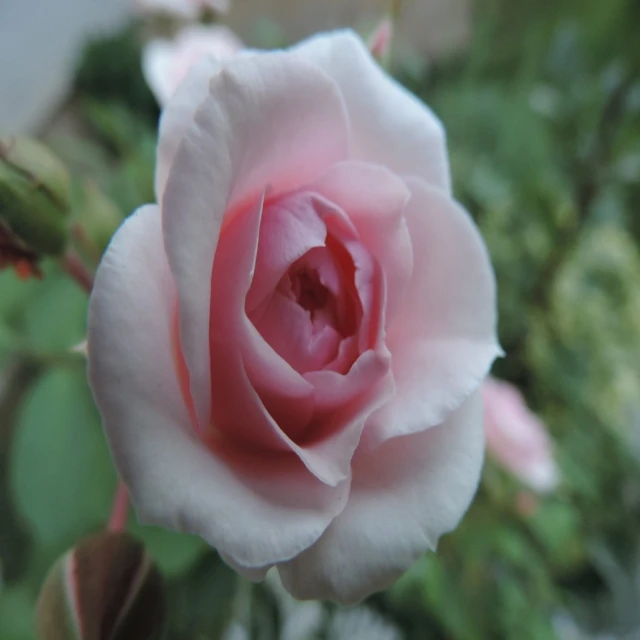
x,y
309,314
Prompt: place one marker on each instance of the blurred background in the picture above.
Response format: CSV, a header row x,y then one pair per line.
x,y
541,101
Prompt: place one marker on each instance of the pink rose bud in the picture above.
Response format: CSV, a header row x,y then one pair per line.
x,y
516,438
380,40
185,9
287,350
105,588
165,63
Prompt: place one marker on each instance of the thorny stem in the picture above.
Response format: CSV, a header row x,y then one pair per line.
x,y
72,263
120,509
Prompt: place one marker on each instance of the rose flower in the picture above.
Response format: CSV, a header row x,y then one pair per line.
x,y
287,349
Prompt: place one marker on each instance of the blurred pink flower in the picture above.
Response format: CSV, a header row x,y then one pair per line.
x,y
516,438
380,40
165,63
188,9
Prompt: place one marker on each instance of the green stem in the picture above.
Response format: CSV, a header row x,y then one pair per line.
x,y
74,266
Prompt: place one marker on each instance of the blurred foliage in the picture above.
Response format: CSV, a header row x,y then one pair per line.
x,y
543,118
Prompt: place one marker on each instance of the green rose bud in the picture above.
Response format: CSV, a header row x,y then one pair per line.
x,y
105,588
34,199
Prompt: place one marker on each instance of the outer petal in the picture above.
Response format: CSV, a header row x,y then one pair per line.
x,y
166,63
256,511
391,127
443,340
404,496
268,119
157,58
178,114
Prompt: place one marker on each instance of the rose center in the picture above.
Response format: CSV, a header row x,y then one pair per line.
x,y
308,291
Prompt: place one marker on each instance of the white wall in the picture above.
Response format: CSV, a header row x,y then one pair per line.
x,y
40,39
39,43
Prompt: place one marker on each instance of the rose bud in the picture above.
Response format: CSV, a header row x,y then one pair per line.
x,y
380,40
34,202
105,588
287,350
516,438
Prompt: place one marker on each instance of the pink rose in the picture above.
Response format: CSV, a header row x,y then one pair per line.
x,y
379,41
516,438
287,350
186,9
165,63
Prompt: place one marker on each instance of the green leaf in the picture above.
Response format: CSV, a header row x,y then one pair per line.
x,y
16,613
60,470
8,340
14,294
56,320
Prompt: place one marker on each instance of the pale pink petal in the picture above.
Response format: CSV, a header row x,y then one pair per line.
x,y
334,390
157,58
237,352
242,363
290,228
374,199
517,438
176,482
443,339
334,436
404,496
177,116
390,126
269,119
166,63
289,329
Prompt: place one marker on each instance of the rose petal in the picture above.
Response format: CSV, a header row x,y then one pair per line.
x,y
166,63
177,115
267,119
404,496
374,200
239,354
306,345
290,228
242,361
390,126
174,480
443,339
157,56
